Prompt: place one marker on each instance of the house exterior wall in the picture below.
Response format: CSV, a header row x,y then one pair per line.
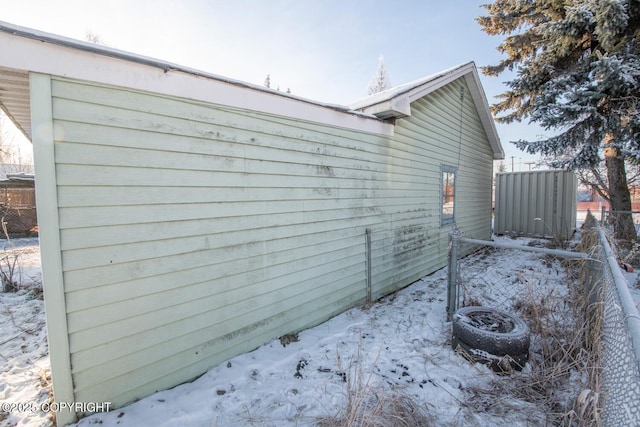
x,y
443,130
191,232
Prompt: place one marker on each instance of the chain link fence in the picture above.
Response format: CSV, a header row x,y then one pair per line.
x,y
505,279
541,286
18,212
620,335
612,219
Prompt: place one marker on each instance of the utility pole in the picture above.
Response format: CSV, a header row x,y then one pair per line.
x,y
512,163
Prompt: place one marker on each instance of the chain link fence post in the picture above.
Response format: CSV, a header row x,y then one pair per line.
x,y
368,255
452,277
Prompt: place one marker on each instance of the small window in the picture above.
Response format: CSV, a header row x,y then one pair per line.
x,y
448,195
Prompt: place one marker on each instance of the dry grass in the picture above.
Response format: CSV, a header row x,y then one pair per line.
x,y
565,357
44,376
565,353
368,403
9,268
373,407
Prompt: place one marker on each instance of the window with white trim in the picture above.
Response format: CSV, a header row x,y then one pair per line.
x,y
448,192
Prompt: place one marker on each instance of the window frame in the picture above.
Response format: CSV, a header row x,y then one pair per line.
x,y
445,217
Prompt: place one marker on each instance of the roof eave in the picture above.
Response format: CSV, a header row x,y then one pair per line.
x,y
398,104
394,108
482,106
28,51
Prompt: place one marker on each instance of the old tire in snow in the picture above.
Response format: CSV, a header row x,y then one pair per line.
x,y
501,364
491,336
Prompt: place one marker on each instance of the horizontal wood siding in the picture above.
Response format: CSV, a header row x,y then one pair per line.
x,y
443,129
193,232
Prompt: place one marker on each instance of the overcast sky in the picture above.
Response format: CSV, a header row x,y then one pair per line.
x,y
326,50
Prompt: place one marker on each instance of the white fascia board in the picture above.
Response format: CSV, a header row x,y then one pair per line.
x,y
435,84
482,106
397,107
396,102
30,54
470,74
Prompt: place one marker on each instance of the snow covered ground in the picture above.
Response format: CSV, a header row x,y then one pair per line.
x,y
633,279
400,344
24,356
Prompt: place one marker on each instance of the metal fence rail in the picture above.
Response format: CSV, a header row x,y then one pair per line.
x,y
620,338
458,285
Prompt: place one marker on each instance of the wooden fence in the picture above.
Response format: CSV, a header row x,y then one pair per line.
x,y
18,211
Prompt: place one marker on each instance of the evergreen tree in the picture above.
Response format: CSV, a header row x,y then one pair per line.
x,y
381,80
577,65
92,37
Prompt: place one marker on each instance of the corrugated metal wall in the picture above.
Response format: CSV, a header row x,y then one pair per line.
x,y
536,203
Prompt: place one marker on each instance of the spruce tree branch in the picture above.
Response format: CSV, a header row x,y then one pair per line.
x,y
601,188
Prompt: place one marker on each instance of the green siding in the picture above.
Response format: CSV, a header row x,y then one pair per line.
x,y
190,232
442,130
48,223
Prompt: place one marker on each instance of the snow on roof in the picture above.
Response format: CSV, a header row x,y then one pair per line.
x,y
396,102
27,50
20,176
391,103
393,92
166,66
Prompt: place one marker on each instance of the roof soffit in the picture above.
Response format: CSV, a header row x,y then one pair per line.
x,y
385,104
27,50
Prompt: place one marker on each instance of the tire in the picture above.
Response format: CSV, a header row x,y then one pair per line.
x,y
488,334
500,364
